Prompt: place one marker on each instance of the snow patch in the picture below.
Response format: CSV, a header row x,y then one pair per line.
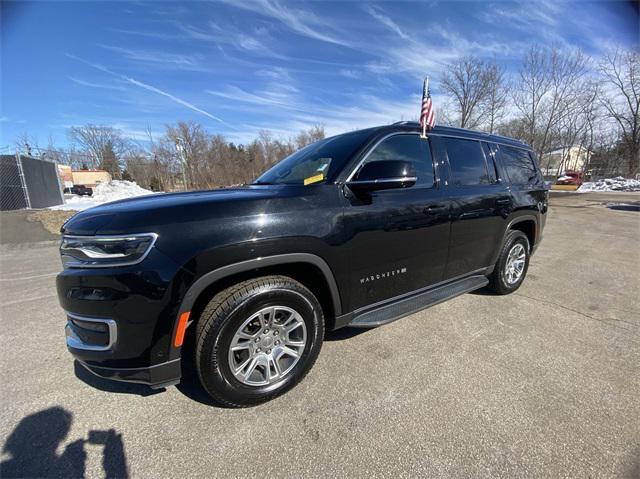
x,y
104,193
611,184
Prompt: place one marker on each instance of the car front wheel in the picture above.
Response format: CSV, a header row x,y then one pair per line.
x,y
258,339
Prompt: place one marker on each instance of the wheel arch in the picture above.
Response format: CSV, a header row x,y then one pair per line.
x,y
528,224
309,269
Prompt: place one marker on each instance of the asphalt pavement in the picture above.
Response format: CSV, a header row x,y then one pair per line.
x,y
541,383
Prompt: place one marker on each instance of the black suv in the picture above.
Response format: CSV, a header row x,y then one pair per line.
x,y
355,230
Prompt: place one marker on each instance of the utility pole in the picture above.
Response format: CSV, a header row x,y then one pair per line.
x,y
25,190
181,151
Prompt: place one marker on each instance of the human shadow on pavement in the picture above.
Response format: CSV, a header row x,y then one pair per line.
x,y
33,445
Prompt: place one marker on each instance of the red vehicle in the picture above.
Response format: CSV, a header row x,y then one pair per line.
x,y
570,177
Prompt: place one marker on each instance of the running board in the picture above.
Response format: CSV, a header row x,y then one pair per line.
x,y
404,307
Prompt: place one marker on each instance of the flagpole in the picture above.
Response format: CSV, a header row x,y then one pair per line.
x,y
424,123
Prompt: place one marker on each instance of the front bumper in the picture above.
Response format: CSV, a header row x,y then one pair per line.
x,y
120,320
157,376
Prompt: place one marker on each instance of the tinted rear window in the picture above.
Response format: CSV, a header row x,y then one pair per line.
x,y
518,165
466,158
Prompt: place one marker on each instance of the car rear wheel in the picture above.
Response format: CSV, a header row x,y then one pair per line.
x,y
513,262
258,339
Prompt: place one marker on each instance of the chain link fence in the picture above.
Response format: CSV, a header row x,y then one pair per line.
x,y
27,182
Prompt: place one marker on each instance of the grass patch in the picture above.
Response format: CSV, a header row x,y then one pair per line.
x,y
52,220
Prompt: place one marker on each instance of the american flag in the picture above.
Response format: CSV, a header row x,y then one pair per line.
x,y
427,114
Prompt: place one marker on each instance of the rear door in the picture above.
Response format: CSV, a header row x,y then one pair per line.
x,y
480,204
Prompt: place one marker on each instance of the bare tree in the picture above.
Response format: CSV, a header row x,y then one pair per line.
x,y
497,95
311,135
104,144
533,85
620,72
27,144
192,142
466,81
548,90
576,129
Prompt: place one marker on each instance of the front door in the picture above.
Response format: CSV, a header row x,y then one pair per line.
x,y
399,238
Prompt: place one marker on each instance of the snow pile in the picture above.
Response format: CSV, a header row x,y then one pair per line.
x,y
611,184
104,193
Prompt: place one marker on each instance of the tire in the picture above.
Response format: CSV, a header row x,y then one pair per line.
x,y
499,280
278,302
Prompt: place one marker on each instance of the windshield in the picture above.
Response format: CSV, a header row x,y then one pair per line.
x,y
315,163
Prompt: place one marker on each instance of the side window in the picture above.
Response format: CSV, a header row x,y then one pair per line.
x,y
518,165
468,165
407,148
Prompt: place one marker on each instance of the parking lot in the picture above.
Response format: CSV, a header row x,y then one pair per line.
x,y
544,382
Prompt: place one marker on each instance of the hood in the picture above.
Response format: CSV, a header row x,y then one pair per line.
x,y
143,213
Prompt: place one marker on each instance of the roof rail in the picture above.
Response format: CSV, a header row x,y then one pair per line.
x,y
453,129
517,140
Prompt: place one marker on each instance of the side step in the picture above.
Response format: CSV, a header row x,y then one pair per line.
x,y
404,307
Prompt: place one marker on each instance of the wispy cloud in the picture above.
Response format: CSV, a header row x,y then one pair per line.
x,y
150,88
278,91
6,119
545,14
230,36
180,101
104,86
136,133
349,73
303,22
147,34
386,21
170,60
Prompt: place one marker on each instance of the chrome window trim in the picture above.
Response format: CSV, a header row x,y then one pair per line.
x,y
154,237
385,180
76,343
441,135
488,140
375,145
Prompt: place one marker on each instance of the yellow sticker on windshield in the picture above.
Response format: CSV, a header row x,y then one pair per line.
x,y
313,179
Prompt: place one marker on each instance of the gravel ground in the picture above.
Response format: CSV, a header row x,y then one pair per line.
x,y
544,382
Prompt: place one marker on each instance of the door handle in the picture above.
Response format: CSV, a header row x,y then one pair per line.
x,y
503,201
435,209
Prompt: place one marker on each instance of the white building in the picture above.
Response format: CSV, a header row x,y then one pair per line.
x,y
574,158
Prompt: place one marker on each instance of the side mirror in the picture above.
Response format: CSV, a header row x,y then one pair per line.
x,y
384,175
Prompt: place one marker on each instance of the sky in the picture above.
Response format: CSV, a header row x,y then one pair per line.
x,y
239,67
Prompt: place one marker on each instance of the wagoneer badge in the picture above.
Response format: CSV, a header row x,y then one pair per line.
x,y
387,274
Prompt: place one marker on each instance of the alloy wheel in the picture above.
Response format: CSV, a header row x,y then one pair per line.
x,y
514,266
267,346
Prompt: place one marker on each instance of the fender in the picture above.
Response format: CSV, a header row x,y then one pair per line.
x,y
514,221
211,277
520,219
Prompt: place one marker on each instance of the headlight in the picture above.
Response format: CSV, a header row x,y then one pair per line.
x,y
105,251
